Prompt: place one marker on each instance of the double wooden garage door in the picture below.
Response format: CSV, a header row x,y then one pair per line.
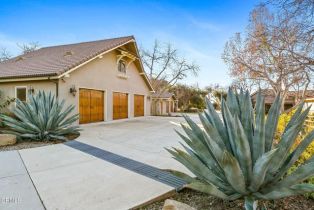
x,y
120,105
91,106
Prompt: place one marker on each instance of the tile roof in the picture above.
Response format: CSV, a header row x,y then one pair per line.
x,y
290,98
55,60
162,95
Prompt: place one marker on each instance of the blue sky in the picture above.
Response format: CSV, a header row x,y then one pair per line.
x,y
199,29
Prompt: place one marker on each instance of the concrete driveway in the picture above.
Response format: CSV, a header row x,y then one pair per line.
x,y
67,178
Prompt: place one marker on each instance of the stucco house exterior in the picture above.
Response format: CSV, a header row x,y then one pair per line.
x,y
104,79
164,103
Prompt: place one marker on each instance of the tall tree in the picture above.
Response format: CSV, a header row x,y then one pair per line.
x,y
165,67
262,53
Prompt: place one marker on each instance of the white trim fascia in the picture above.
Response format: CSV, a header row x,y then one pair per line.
x,y
24,79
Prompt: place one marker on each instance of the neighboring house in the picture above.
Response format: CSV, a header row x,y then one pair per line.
x,y
104,79
164,103
309,102
290,100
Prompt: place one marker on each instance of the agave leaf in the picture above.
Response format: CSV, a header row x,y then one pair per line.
x,y
271,123
286,143
214,118
195,128
260,169
295,117
212,132
300,174
232,103
207,188
294,156
276,194
303,188
197,168
286,191
247,117
243,152
230,125
202,154
31,136
194,140
181,175
259,132
233,173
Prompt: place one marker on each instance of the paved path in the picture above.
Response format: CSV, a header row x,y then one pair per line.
x,y
17,191
67,178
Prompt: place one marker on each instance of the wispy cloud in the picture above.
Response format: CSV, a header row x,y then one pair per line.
x,y
204,25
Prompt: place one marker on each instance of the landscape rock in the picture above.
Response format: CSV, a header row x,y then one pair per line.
x,y
175,205
7,139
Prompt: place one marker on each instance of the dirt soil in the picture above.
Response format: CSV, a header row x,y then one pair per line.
x,y
25,144
203,201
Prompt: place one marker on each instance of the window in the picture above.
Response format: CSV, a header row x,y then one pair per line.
x,y
21,93
122,66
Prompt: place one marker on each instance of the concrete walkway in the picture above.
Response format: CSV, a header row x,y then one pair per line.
x,y
66,178
16,188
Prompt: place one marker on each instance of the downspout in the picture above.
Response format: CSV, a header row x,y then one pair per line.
x,y
57,85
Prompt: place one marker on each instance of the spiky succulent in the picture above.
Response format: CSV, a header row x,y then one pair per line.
x,y
235,156
42,117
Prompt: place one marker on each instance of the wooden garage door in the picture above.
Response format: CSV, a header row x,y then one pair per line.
x,y
120,105
91,106
138,105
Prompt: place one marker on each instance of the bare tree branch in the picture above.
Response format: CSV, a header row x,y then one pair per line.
x,y
4,54
165,66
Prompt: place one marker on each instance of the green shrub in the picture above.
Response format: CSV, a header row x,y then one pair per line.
x,y
43,117
235,157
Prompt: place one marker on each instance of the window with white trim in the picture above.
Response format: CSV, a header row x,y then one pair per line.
x,y
21,93
122,66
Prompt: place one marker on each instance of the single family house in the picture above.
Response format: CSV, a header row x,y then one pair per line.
x,y
290,100
104,79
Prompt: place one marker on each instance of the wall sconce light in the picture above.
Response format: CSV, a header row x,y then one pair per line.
x,y
31,90
73,90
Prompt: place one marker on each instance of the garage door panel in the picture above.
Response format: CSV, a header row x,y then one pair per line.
x,y
116,106
120,105
97,106
138,105
91,106
84,109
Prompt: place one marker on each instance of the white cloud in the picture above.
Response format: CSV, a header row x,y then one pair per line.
x,y
204,25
